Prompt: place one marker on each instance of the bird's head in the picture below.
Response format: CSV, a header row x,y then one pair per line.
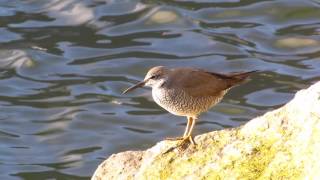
x,y
155,77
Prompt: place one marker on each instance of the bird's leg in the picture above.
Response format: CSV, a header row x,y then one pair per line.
x,y
187,135
187,127
193,122
185,132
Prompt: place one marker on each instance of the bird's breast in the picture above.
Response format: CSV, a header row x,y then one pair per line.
x,y
180,103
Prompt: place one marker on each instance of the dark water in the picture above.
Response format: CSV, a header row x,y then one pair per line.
x,y
64,64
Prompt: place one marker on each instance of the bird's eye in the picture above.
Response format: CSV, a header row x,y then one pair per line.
x,y
156,76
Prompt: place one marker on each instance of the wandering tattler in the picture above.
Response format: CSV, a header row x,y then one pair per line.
x,y
188,91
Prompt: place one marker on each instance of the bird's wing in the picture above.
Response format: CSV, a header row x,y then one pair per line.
x,y
199,83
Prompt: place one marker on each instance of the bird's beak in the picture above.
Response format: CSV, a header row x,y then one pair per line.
x,y
140,84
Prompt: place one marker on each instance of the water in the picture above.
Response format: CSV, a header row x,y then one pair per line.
x,y
64,64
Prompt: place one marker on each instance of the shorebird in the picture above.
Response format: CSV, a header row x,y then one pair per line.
x,y
188,91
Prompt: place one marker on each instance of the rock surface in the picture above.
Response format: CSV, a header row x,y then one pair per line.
x,y
281,144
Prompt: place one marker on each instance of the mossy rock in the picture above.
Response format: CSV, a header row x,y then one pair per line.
x,y
282,144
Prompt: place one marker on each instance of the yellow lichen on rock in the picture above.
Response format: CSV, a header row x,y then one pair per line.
x,y
282,144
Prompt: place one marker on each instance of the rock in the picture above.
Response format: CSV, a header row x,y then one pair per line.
x,y
282,144
164,17
296,42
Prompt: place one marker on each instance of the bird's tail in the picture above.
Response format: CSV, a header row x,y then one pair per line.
x,y
239,77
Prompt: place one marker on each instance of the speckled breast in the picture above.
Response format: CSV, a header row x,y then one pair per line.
x,y
180,103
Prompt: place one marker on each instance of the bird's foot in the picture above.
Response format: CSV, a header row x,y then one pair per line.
x,y
190,139
183,143
174,138
184,139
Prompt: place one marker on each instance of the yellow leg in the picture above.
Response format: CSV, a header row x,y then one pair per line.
x,y
193,122
187,132
187,127
189,136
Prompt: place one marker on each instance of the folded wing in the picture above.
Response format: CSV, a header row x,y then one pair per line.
x,y
199,83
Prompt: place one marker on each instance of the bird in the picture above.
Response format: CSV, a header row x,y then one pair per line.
x,y
188,91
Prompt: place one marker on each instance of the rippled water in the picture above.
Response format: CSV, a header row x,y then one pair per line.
x,y
64,64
